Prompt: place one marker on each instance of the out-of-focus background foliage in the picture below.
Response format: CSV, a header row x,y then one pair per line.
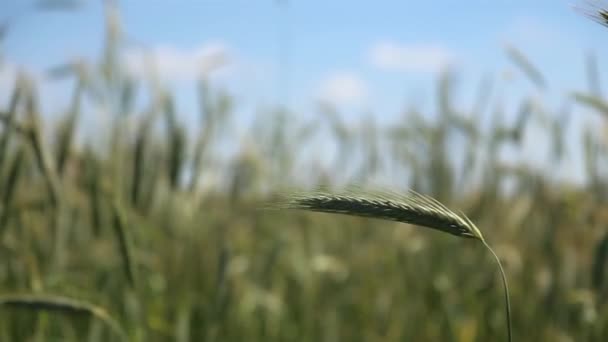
x,y
117,197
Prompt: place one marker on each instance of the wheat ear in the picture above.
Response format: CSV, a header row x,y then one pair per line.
x,y
412,208
64,305
594,10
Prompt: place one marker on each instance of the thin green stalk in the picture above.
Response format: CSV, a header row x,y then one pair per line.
x,y
124,244
506,288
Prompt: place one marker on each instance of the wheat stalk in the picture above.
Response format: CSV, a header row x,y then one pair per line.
x,y
124,244
412,208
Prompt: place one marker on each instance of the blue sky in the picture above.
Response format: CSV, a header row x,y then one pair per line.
x,y
380,56
302,44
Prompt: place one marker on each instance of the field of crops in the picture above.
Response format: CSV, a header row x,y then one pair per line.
x,y
144,232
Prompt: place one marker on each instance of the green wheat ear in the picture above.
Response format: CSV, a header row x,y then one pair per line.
x,y
62,305
412,208
595,10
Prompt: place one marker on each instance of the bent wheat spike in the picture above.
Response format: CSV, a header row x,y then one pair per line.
x,y
62,305
594,10
412,208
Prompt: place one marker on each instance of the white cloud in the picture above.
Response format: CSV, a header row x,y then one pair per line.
x,y
343,88
393,56
179,64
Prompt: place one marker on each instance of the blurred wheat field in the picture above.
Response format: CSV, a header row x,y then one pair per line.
x,y
135,236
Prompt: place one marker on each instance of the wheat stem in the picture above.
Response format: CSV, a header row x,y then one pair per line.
x,y
506,288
